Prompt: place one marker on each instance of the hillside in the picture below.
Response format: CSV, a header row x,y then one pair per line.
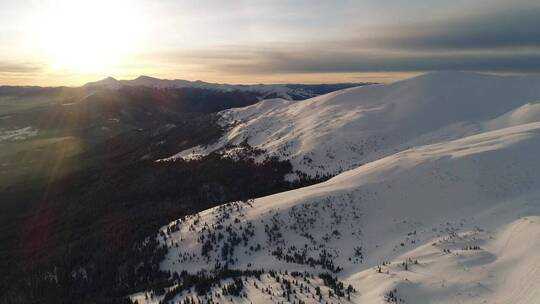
x,y
338,131
34,121
80,188
437,200
453,220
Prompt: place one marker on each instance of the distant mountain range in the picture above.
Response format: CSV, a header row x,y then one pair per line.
x,y
286,91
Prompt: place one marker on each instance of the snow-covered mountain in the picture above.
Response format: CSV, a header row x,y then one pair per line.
x,y
285,91
461,215
444,209
341,130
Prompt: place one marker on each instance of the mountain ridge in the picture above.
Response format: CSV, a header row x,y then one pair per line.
x,y
287,91
429,207
337,131
430,219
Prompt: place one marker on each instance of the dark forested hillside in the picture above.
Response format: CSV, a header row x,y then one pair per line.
x,y
82,194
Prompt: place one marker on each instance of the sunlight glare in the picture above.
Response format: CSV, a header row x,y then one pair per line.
x,y
88,36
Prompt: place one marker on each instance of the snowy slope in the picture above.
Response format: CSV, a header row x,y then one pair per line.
x,y
341,130
455,221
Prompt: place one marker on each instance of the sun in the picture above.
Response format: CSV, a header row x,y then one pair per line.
x,y
88,36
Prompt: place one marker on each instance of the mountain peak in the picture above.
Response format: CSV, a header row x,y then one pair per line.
x,y
263,90
109,81
144,77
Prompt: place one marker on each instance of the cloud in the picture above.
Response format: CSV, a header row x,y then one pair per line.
x,y
505,39
19,68
335,62
505,27
311,37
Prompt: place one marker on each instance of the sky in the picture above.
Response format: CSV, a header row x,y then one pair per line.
x,y
70,42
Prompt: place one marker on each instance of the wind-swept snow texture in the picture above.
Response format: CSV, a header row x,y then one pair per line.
x,y
453,221
335,132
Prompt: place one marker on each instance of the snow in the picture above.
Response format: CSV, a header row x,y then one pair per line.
x,y
455,217
254,294
504,270
18,134
329,134
466,192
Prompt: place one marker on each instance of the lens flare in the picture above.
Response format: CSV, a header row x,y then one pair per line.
x,y
88,36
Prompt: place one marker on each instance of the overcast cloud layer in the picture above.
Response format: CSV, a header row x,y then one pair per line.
x,y
191,38
502,40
